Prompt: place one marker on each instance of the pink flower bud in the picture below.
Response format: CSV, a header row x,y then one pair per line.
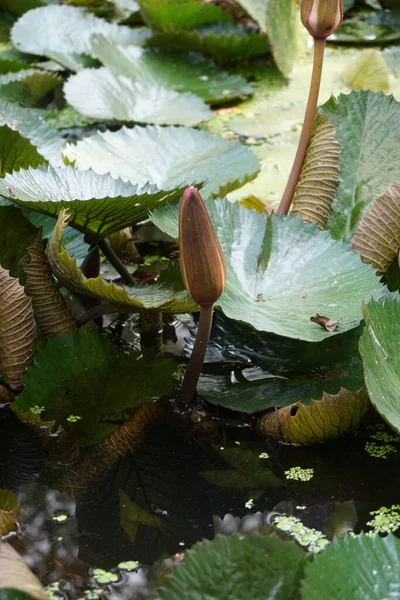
x,y
321,17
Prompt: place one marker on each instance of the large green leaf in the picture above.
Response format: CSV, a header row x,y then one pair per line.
x,y
166,297
16,152
256,567
28,86
15,240
167,157
175,15
372,27
367,129
184,72
281,26
225,42
118,98
356,568
281,271
97,204
81,374
379,351
46,31
32,127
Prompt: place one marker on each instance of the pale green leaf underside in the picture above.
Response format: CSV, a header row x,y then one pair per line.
x,y
132,299
367,71
379,348
118,98
184,72
257,9
355,568
367,129
168,157
282,271
225,42
32,127
281,26
63,33
97,204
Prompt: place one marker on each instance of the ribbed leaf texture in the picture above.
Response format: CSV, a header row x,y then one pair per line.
x,y
17,327
15,574
377,238
320,175
51,312
332,417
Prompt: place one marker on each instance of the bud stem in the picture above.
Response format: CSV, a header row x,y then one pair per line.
x,y
115,262
319,47
196,361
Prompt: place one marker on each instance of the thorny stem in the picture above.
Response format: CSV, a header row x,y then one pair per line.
x,y
116,263
196,361
319,47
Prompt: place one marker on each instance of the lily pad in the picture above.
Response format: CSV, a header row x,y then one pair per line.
x,y
80,377
372,27
281,271
15,240
282,28
184,72
208,568
378,348
225,42
368,71
332,417
377,238
34,128
364,166
168,157
118,98
360,568
170,297
46,31
175,15
97,204
27,86
9,508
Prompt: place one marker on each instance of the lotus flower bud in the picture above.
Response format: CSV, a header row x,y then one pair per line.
x,y
202,261
321,17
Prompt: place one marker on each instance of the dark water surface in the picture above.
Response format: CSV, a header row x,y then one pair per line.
x,y
159,499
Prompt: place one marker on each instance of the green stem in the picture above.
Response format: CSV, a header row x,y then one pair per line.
x,y
319,47
196,361
116,263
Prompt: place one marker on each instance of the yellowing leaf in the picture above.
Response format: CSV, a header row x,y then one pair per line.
x,y
319,176
377,238
332,417
9,507
17,328
367,71
132,299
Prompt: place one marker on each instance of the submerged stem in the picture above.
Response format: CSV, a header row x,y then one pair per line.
x,y
115,261
196,361
319,47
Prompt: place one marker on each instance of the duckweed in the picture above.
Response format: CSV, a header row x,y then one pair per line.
x,y
379,450
299,474
313,540
104,577
129,565
385,520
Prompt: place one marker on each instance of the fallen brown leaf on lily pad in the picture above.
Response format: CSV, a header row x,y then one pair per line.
x,y
9,508
325,322
303,424
16,575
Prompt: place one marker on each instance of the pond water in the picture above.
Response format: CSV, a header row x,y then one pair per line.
x,y
162,497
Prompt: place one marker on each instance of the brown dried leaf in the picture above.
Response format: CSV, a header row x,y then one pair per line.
x,y
377,237
325,322
332,417
51,312
17,328
15,574
319,176
9,508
